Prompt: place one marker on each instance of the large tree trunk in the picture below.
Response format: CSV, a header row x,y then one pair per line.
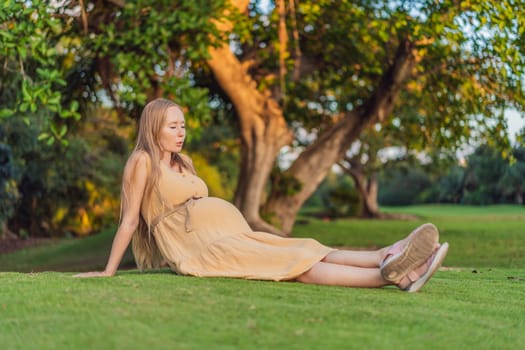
x,y
370,207
310,168
364,175
5,233
263,129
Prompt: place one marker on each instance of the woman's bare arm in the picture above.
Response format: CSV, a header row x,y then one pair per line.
x,y
134,183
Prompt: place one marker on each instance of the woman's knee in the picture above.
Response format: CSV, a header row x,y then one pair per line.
x,y
305,277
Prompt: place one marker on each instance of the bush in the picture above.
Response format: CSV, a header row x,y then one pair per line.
x,y
339,197
8,191
62,190
451,185
403,186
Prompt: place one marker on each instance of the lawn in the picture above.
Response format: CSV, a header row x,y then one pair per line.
x,y
476,302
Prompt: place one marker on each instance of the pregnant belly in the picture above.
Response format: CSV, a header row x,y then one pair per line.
x,y
215,215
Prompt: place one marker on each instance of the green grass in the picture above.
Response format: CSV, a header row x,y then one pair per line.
x,y
491,236
477,304
457,310
65,255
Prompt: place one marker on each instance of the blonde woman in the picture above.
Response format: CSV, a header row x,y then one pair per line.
x,y
169,218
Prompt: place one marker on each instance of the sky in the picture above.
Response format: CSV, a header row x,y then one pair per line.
x,y
516,122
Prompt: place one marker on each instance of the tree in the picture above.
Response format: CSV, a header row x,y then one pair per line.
x,y
64,61
492,179
77,54
389,146
512,182
363,163
446,69
486,177
451,185
352,65
403,185
363,168
485,168
33,79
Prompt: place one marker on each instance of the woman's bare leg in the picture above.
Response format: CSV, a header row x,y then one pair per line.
x,y
342,275
356,258
426,233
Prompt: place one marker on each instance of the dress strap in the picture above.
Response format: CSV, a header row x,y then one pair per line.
x,y
184,206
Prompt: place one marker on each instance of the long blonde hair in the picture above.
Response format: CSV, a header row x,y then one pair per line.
x,y
145,250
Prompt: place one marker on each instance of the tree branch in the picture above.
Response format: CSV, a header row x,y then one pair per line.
x,y
83,15
381,103
297,47
315,161
283,46
471,61
119,3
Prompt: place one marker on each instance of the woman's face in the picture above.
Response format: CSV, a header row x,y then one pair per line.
x,y
173,132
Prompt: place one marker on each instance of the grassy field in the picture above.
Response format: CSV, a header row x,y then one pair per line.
x,y
476,302
491,236
64,255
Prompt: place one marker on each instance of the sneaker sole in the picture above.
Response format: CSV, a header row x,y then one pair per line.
x,y
438,260
421,244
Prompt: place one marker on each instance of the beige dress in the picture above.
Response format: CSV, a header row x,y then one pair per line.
x,y
206,236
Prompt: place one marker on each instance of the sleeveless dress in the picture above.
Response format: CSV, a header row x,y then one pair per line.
x,y
208,237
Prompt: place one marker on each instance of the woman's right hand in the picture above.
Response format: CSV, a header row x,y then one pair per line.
x,y
93,274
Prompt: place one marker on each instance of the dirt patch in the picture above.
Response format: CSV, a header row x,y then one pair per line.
x,y
382,216
10,245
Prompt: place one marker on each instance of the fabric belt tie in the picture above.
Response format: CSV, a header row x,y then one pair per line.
x,y
184,206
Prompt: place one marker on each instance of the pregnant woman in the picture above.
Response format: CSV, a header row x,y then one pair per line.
x,y
169,218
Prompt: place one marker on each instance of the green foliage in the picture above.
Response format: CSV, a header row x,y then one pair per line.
x,y
34,83
149,52
403,186
492,179
469,54
57,63
337,197
485,168
513,180
487,178
212,177
520,137
217,152
66,61
451,185
62,190
283,184
60,62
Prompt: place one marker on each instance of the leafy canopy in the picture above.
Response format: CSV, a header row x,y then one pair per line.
x,y
470,64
